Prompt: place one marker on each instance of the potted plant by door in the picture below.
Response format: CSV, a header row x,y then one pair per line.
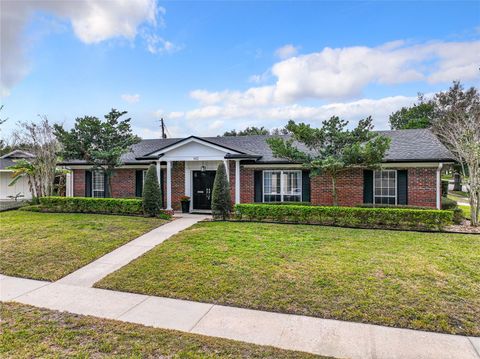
x,y
185,200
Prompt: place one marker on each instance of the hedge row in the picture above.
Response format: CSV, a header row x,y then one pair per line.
x,y
124,206
347,216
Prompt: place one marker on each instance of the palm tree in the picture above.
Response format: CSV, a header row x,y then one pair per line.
x,y
23,168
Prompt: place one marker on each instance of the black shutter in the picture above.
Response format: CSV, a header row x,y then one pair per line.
x,y
106,191
258,186
88,183
138,183
402,187
367,186
305,186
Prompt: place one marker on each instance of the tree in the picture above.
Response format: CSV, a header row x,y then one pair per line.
x,y
221,201
39,140
419,115
457,124
101,143
152,194
23,168
248,131
332,149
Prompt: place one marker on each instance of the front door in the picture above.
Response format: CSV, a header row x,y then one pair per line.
x,y
202,189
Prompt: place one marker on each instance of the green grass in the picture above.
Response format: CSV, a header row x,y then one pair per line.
x,y
427,281
49,246
29,332
466,211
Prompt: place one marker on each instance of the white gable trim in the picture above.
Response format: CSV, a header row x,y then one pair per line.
x,y
196,140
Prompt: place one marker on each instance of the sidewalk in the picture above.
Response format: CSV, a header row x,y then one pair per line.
x,y
90,274
340,339
315,335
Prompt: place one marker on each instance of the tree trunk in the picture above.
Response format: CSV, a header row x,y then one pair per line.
x,y
334,190
457,182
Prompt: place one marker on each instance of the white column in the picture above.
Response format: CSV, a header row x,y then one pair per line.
x,y
228,169
169,185
237,181
69,185
439,186
158,173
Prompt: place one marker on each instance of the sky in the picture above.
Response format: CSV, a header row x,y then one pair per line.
x,y
208,67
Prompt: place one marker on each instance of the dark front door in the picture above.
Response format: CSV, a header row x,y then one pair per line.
x,y
202,189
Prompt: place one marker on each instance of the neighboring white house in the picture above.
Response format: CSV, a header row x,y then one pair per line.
x,y
21,186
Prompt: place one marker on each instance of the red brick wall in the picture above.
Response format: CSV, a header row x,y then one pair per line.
x,y
123,183
349,189
178,184
422,187
78,183
246,185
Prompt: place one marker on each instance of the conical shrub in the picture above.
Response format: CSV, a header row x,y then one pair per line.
x,y
152,194
221,201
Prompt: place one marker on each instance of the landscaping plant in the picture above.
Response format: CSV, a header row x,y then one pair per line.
x,y
331,149
221,201
101,143
457,124
152,194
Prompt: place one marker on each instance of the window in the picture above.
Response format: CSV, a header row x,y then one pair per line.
x,y
98,184
385,187
282,186
144,174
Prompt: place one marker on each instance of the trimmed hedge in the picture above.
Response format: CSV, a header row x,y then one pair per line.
x,y
124,206
451,205
347,216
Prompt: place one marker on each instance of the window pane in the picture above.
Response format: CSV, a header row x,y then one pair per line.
x,y
292,198
98,184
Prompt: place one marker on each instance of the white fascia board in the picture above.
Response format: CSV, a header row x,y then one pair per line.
x,y
412,164
87,167
184,142
277,165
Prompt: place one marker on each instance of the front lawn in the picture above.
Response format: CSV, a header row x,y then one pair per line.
x,y
29,332
427,281
49,246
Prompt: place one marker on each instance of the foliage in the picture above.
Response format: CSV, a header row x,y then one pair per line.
x,y
332,148
100,143
184,199
124,206
248,131
39,140
221,201
452,205
393,278
419,115
347,216
152,194
457,124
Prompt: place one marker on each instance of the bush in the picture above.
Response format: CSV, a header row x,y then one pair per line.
x,y
450,204
393,206
291,203
152,195
221,201
347,216
125,206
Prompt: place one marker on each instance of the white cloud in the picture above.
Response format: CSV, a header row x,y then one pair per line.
x,y
131,98
342,73
158,45
92,21
286,51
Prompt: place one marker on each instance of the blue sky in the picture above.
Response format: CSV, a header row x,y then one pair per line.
x,y
207,67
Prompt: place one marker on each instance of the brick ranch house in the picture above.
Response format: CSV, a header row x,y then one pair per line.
x,y
410,173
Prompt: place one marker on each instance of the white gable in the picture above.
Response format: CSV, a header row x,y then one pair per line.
x,y
194,150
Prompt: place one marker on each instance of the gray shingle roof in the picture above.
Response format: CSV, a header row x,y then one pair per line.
x,y
8,159
406,146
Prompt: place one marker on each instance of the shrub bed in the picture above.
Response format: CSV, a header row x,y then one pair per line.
x,y
403,218
123,206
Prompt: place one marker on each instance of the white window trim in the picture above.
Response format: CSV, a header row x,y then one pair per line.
x,y
93,183
282,184
396,186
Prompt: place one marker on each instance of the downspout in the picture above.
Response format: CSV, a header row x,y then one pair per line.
x,y
439,186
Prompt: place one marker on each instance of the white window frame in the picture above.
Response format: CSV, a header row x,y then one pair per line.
x,y
282,185
382,196
94,190
144,173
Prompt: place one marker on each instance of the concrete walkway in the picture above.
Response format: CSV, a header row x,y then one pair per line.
x,y
315,335
90,274
74,294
